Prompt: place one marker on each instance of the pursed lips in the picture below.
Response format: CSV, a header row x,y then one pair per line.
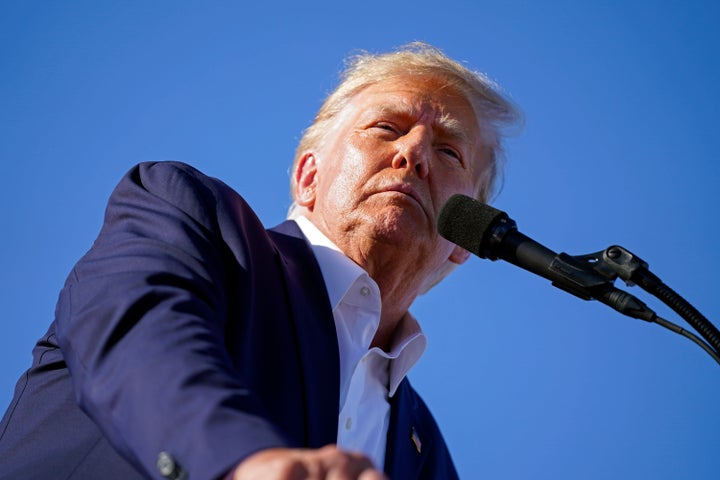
x,y
408,190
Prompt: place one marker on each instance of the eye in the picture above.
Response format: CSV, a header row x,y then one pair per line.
x,y
388,127
451,152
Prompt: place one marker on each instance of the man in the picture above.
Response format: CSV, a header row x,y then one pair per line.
x,y
190,342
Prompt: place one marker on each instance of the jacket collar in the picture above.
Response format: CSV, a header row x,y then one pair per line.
x,y
315,333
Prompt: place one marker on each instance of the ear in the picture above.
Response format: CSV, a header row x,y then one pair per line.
x,y
459,255
306,181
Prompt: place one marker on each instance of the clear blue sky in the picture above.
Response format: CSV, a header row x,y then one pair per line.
x,y
620,146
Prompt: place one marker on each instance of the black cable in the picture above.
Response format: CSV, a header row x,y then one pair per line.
x,y
681,331
627,304
682,307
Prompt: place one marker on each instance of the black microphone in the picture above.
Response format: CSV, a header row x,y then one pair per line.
x,y
490,233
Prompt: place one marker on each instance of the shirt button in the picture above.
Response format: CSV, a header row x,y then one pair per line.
x,y
364,291
348,423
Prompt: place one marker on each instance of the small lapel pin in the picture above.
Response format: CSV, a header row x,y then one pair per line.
x,y
416,440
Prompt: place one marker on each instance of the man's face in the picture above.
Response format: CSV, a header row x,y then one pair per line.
x,y
394,155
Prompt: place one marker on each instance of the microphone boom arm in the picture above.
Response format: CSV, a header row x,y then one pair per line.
x,y
617,261
592,276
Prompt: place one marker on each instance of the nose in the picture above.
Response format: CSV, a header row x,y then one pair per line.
x,y
413,152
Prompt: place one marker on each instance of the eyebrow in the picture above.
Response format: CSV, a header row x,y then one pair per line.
x,y
446,125
452,127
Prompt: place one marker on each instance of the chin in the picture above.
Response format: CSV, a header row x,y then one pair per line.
x,y
398,225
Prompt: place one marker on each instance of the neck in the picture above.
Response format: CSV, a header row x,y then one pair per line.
x,y
399,286
398,269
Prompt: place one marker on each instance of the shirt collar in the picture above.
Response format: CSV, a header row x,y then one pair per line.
x,y
409,344
339,272
340,275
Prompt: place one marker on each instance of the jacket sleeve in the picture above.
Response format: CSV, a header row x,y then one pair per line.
x,y
141,324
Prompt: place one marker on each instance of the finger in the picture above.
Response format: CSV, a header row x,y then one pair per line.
x,y
373,475
343,465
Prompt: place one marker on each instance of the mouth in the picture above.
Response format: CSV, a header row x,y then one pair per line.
x,y
407,190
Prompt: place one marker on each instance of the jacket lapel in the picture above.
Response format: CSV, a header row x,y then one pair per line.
x,y
315,334
408,441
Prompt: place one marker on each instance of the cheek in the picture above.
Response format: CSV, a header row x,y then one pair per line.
x,y
448,183
347,175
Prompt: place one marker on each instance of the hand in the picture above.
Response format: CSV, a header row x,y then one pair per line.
x,y
328,463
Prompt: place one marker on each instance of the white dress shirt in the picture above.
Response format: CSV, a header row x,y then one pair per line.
x,y
368,376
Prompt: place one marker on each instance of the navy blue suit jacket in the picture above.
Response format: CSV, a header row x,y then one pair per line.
x,y
188,328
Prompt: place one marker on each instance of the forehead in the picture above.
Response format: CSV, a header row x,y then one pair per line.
x,y
420,98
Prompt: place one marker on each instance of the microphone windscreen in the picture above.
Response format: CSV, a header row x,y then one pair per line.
x,y
468,223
